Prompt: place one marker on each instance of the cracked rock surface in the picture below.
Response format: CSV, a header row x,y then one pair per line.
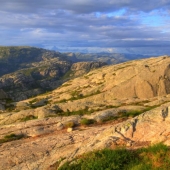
x,y
106,93
49,145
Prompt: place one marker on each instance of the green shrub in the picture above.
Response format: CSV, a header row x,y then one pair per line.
x,y
79,112
67,75
111,106
102,160
62,101
11,137
29,117
108,118
86,77
33,101
85,121
155,157
155,148
9,100
70,124
9,107
132,113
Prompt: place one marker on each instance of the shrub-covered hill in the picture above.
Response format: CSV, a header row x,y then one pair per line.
x,y
14,58
29,71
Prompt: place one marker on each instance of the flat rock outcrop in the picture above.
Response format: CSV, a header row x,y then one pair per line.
x,y
36,71
53,111
49,144
81,68
142,79
122,91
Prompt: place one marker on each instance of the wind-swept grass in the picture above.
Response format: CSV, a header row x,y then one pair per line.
x,y
152,158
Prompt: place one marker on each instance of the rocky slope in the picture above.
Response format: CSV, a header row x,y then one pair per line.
x,y
29,71
133,81
109,58
15,58
32,71
46,143
42,76
120,105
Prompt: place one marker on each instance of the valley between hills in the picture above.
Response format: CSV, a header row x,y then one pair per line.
x,y
55,107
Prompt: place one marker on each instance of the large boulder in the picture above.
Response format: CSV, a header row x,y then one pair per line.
x,y
43,112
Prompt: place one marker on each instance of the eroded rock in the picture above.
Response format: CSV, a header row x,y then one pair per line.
x,y
149,127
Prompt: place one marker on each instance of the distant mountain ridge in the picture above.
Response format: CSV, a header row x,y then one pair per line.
x,y
109,58
29,71
15,58
121,105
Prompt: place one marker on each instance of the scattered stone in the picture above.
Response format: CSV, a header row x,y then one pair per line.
x,y
60,126
39,103
20,104
43,112
69,129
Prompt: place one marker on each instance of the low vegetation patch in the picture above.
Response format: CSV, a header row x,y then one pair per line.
x,y
108,118
86,77
76,95
11,137
69,124
134,113
152,158
29,117
131,113
111,106
85,121
33,101
79,112
69,74
9,107
9,100
65,85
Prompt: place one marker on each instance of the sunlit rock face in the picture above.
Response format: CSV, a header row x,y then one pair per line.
x,y
50,124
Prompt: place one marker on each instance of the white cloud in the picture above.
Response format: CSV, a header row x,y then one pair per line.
x,y
86,24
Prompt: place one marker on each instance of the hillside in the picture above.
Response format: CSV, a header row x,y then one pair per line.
x,y
134,81
105,108
109,58
29,71
15,58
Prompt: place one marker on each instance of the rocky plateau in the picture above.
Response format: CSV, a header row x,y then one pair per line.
x,y
96,107
28,71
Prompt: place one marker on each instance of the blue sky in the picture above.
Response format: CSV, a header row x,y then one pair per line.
x,y
124,26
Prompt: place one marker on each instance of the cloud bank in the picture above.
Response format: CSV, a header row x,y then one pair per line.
x,y
128,26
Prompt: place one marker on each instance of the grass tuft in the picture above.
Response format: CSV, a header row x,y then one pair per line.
x,y
11,137
155,157
29,117
85,121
